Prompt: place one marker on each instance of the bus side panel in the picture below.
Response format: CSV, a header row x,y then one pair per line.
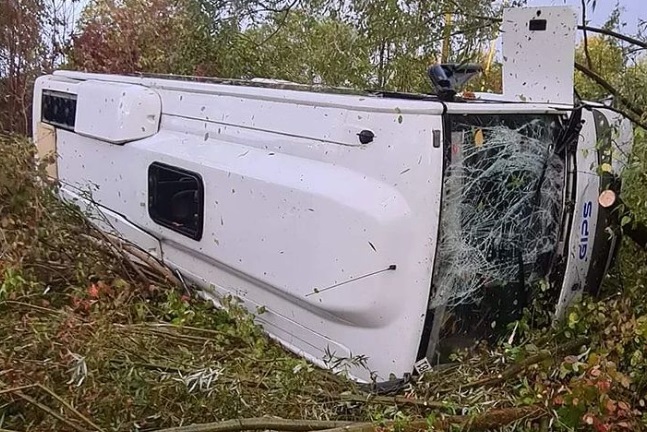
x,y
336,242
585,216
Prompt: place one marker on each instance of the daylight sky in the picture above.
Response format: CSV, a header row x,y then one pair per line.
x,y
634,11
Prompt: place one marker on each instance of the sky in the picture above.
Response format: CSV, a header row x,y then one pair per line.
x,y
634,11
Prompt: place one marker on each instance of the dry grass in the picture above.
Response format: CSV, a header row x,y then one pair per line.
x,y
90,342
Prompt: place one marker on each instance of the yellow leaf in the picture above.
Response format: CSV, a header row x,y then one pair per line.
x,y
478,138
605,167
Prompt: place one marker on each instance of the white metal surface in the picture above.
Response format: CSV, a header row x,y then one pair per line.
x,y
293,204
538,64
585,215
115,112
300,217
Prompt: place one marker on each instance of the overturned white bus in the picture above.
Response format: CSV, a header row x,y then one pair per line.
x,y
365,223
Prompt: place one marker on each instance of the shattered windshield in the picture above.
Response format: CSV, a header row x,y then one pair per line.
x,y
501,210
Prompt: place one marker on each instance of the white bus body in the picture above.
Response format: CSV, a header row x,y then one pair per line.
x,y
328,209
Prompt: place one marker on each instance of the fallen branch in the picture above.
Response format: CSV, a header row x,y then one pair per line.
x,y
31,306
147,259
16,389
69,407
184,371
177,337
514,369
125,248
260,423
492,419
50,411
151,366
390,400
488,420
114,246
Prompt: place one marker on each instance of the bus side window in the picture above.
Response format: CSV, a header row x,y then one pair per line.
x,y
176,199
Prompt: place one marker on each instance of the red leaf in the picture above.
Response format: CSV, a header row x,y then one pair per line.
x,y
624,406
602,427
604,386
611,406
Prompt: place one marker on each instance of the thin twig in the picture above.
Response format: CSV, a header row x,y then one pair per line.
x,y
172,335
32,306
261,423
119,249
392,400
616,35
147,258
69,407
49,411
608,87
606,32
586,39
514,369
285,11
488,420
17,389
152,366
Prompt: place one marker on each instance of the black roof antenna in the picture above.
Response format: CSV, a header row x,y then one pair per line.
x,y
447,77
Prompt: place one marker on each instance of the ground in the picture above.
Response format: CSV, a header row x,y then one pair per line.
x,y
93,339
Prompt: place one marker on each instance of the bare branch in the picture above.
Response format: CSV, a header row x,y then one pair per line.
x,y
285,11
50,411
488,420
635,110
586,38
514,369
616,35
630,116
261,423
628,39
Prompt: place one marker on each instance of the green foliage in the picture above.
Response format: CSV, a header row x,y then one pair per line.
x,y
128,353
133,355
336,63
365,43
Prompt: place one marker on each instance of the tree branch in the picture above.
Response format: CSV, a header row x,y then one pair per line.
x,y
608,87
616,35
488,420
279,25
631,117
390,400
261,423
628,39
50,411
514,369
586,39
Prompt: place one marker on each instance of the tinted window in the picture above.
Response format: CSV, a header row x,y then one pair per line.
x,y
176,199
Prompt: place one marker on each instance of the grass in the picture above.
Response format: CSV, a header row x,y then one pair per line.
x,y
89,341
